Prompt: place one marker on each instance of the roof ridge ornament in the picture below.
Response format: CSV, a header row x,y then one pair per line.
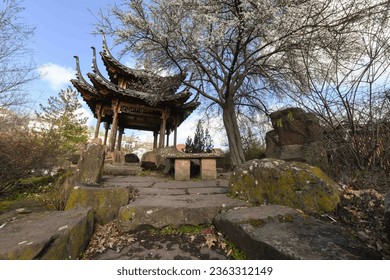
x,y
104,43
78,70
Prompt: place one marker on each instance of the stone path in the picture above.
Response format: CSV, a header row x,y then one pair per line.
x,y
162,202
263,232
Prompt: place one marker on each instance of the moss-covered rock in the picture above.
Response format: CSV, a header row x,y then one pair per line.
x,y
105,201
292,184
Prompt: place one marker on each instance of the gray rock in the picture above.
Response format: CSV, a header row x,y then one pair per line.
x,y
131,158
278,232
91,165
132,169
47,235
159,211
292,184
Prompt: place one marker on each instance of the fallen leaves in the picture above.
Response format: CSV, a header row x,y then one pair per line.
x,y
106,237
361,212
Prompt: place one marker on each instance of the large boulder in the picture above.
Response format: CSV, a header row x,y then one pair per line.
x,y
55,235
131,158
149,160
158,159
387,215
294,126
297,136
292,184
91,165
105,201
275,232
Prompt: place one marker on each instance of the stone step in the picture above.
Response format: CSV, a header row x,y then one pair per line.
x,y
124,170
54,235
159,211
280,233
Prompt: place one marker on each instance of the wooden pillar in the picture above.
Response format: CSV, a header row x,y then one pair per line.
x,y
120,134
163,128
175,133
115,109
155,134
98,112
107,127
168,133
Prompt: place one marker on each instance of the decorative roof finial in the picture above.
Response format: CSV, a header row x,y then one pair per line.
x,y
78,71
105,47
94,63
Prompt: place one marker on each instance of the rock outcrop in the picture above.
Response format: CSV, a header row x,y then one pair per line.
x,y
105,201
91,164
297,136
47,235
281,233
292,184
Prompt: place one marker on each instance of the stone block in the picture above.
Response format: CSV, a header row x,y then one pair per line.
x,y
275,232
57,235
105,201
91,164
208,169
182,169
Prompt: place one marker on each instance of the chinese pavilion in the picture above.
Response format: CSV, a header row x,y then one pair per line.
x,y
133,99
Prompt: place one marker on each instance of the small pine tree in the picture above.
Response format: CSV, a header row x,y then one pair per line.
x,y
61,122
202,142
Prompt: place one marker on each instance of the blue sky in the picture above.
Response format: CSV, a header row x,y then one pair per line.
x,y
64,29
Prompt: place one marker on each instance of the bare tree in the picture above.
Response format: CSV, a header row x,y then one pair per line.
x,y
351,97
238,51
16,67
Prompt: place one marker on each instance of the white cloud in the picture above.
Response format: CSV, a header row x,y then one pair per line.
x,y
57,76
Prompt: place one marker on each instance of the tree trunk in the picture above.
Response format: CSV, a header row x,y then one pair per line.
x,y
233,135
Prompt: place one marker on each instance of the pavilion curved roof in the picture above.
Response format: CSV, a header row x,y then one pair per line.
x,y
142,87
143,79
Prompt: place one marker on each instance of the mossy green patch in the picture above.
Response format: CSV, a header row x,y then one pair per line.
x,y
256,222
288,218
184,229
235,252
293,184
127,215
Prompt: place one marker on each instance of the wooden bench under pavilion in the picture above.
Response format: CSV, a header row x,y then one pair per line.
x,y
134,99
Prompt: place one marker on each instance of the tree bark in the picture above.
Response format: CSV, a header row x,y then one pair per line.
x,y
233,135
